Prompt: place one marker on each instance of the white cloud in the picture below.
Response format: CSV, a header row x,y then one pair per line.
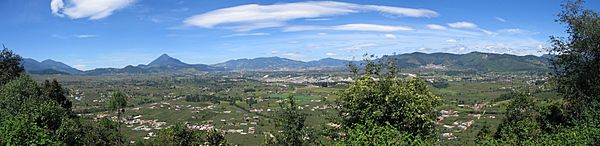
x,y
293,55
317,19
85,36
247,34
469,25
330,54
408,12
500,19
512,31
350,27
391,36
80,66
463,24
371,27
422,49
91,9
451,41
436,27
253,16
360,46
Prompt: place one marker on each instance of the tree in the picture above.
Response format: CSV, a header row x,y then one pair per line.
x,y
117,103
373,134
215,138
54,91
291,122
379,99
484,135
20,130
31,114
521,121
180,135
577,62
9,66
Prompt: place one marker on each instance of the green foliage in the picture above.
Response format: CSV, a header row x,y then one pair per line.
x,y
15,93
485,134
22,130
54,91
375,134
104,132
441,83
383,103
215,138
406,104
577,62
10,67
521,121
118,101
292,123
31,114
180,135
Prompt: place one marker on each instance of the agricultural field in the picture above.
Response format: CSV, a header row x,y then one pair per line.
x,y
244,106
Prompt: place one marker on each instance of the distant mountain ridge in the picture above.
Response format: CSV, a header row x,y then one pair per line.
x,y
162,64
48,67
476,61
280,64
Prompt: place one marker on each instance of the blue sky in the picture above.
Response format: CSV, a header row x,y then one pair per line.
x,y
90,34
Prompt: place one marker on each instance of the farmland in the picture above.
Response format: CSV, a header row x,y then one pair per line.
x,y
244,106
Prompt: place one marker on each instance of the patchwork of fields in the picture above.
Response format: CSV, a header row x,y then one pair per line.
x,y
244,106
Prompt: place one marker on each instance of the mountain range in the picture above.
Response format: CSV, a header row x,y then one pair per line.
x,y
476,61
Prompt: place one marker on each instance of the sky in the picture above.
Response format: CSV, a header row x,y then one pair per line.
x,y
88,34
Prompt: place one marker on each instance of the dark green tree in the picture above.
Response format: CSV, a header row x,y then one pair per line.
x,y
179,135
292,122
9,65
54,91
577,62
375,134
484,134
521,123
117,103
215,138
385,99
380,99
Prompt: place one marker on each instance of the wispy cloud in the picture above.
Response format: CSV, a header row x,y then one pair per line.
x,y
436,27
513,31
469,25
85,36
350,27
451,41
247,34
91,9
330,54
253,16
293,55
500,19
463,24
80,66
360,46
318,19
423,49
391,36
